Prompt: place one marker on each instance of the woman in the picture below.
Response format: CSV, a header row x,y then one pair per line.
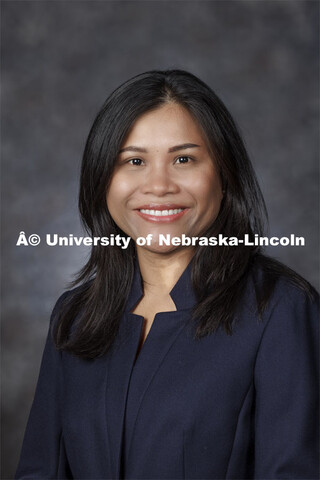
x,y
171,361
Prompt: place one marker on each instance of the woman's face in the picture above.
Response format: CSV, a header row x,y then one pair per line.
x,y
165,180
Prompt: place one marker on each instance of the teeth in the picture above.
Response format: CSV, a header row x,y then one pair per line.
x,y
161,213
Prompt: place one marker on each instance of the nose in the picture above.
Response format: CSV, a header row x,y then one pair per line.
x,y
159,181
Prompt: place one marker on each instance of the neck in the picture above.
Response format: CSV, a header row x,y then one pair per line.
x,y
161,271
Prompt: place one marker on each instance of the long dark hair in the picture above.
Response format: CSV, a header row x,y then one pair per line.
x,y
219,275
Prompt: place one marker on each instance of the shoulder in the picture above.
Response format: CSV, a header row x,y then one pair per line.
x,y
293,309
278,299
277,284
70,300
288,346
58,306
290,305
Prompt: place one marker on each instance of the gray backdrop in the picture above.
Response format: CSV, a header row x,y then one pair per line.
x,y
60,59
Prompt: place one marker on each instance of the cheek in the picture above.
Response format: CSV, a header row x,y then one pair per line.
x,y
111,198
208,192
118,193
114,205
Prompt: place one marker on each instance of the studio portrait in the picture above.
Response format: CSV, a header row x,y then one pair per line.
x,y
160,240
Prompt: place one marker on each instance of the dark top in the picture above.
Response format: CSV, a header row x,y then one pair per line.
x,y
223,407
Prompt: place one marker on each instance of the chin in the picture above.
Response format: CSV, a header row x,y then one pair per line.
x,y
163,249
156,247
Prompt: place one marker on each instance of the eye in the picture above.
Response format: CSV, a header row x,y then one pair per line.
x,y
180,160
135,161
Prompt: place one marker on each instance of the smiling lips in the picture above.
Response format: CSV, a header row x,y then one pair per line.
x,y
161,213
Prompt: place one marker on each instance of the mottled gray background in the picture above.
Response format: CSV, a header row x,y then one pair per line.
x,y
60,59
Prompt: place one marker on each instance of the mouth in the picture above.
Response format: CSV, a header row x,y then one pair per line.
x,y
161,213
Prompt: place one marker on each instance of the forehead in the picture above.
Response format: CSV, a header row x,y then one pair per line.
x,y
166,125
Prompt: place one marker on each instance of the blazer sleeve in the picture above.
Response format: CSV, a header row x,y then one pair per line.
x,y
42,455
286,374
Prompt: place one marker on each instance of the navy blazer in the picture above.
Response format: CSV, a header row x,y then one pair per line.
x,y
223,407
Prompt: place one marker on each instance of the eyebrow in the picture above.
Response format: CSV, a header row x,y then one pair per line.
x,y
176,148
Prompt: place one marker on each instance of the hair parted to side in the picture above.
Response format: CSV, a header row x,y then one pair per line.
x,y
219,275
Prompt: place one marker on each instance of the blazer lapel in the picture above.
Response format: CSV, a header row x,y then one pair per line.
x,y
120,367
165,329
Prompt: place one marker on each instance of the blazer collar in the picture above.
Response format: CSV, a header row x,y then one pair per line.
x,y
182,293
